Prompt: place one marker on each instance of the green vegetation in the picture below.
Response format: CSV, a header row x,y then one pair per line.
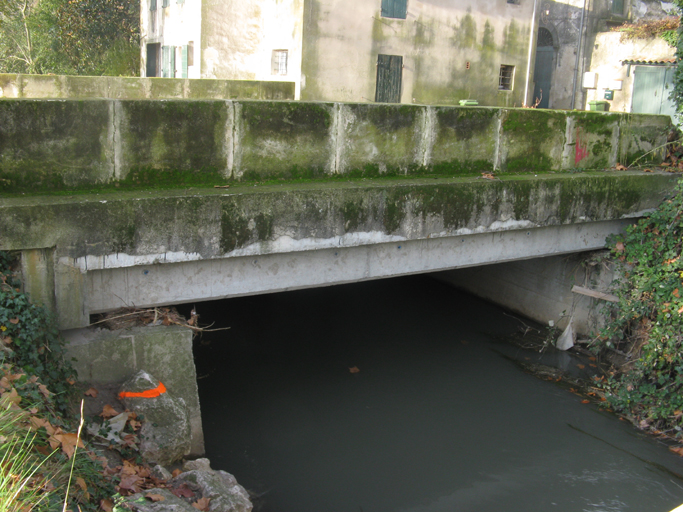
x,y
70,37
647,323
38,440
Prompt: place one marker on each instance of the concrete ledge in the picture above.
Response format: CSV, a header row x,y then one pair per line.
x,y
53,145
112,357
137,88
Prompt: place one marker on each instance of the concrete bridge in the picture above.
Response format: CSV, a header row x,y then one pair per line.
x,y
112,203
145,203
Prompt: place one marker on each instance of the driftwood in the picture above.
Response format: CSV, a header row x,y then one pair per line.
x,y
134,317
582,290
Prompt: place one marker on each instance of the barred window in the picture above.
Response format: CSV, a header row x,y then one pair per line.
x,y
506,77
279,62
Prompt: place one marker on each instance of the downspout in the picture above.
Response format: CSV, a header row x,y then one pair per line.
x,y
578,55
528,62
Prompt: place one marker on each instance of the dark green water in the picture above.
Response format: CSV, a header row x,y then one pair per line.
x,y
435,420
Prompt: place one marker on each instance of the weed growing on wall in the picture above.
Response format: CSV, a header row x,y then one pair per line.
x,y
647,323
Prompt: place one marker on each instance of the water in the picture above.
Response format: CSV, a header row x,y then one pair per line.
x,y
436,419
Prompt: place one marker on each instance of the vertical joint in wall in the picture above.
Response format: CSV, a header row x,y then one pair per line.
x,y
229,138
497,149
424,156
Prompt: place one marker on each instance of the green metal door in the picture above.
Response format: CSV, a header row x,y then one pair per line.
x,y
651,88
389,75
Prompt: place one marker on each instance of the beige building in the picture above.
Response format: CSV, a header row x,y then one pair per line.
x,y
409,51
499,52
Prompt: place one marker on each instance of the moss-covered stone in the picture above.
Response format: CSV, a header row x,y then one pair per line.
x,y
532,140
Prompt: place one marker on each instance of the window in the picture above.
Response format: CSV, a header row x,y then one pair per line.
x,y
394,9
618,7
513,2
279,62
165,3
506,77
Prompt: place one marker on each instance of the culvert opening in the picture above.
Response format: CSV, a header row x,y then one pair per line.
x,y
396,395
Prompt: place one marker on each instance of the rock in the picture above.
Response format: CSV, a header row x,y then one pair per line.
x,y
140,503
161,473
220,487
199,464
165,431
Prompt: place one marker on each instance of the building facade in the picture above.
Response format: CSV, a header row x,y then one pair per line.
x,y
550,53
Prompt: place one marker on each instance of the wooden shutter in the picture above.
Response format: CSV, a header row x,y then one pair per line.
x,y
165,3
153,5
394,8
618,7
183,63
389,76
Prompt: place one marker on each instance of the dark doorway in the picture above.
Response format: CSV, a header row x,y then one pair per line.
x,y
543,68
153,51
389,73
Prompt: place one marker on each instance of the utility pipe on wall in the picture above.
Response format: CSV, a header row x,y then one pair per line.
x,y
528,62
578,55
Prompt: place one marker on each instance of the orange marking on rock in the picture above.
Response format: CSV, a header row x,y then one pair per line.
x,y
150,393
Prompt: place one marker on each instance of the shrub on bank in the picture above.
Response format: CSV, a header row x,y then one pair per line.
x,y
646,326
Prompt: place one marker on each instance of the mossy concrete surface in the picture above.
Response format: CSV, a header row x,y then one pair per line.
x,y
110,358
136,88
87,234
213,223
47,146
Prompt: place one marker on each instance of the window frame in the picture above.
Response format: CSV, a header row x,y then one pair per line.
x,y
506,77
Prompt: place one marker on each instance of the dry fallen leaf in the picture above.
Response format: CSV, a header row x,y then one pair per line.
x,y
92,392
585,401
183,491
108,412
676,293
175,473
14,321
354,369
130,483
84,487
69,442
581,366
155,497
221,186
620,167
488,176
620,247
43,389
647,170
202,504
107,505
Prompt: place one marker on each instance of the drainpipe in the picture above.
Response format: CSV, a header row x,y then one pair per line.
x,y
528,62
578,55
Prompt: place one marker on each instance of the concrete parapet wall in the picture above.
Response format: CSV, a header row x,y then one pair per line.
x,y
67,144
112,357
136,88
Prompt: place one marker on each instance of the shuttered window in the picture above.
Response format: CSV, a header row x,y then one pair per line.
x,y
165,3
168,61
618,7
394,9
506,77
153,5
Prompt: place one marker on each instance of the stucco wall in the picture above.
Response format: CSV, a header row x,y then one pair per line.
x,y
437,39
608,56
239,38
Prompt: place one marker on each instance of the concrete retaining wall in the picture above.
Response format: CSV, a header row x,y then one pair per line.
x,y
111,357
135,88
540,288
51,145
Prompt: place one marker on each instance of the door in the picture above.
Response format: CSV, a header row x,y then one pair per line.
x,y
543,68
389,75
153,51
651,88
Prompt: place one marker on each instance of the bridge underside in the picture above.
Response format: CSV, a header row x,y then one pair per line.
x,y
93,253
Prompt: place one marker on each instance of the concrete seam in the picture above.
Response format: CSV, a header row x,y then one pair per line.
x,y
499,133
117,149
336,139
428,136
230,138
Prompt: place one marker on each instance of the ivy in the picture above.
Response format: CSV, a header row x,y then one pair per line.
x,y
647,323
30,339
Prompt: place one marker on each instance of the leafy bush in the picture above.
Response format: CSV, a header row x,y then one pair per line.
x,y
647,323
